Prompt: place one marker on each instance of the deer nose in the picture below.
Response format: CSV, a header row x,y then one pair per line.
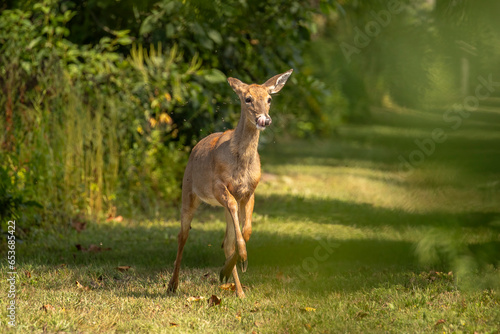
x,y
263,120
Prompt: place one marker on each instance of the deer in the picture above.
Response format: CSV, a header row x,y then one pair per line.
x,y
224,169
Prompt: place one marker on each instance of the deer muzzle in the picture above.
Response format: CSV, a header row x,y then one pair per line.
x,y
262,121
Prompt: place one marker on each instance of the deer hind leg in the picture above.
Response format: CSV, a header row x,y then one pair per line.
x,y
229,246
189,204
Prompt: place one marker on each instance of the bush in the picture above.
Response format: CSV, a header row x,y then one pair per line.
x,y
110,124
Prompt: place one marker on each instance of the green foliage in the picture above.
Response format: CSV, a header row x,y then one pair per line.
x,y
251,40
93,126
106,124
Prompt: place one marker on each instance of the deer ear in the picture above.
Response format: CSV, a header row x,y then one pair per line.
x,y
277,82
236,85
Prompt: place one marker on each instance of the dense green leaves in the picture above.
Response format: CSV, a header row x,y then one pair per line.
x,y
109,111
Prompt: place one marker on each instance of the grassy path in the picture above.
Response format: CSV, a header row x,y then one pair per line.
x,y
345,240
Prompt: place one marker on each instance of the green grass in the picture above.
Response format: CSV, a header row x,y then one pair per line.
x,y
342,242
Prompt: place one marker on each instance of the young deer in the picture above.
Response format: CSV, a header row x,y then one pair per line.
x,y
224,170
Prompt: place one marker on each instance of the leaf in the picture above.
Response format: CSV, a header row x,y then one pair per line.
x,y
309,309
213,75
47,308
28,274
123,268
214,301
173,324
195,299
80,286
34,42
439,322
215,36
228,286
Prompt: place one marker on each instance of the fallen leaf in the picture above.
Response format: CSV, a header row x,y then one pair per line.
x,y
28,274
79,226
123,268
308,326
48,308
80,286
205,276
173,324
309,309
195,299
214,301
238,316
439,322
228,286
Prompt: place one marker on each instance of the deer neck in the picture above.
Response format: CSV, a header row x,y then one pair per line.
x,y
245,140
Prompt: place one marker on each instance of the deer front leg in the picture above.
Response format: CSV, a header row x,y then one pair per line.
x,y
225,198
246,217
229,245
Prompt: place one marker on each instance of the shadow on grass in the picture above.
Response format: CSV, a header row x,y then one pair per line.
x,y
150,249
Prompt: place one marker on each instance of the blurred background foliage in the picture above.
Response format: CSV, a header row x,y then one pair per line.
x,y
102,100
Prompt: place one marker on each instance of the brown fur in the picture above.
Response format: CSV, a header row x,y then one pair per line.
x,y
224,169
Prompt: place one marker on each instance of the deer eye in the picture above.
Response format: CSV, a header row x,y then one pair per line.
x,y
248,100
269,100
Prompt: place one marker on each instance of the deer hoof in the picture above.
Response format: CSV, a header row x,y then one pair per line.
x,y
223,275
172,286
244,266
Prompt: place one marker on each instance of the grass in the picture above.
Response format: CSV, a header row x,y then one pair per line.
x,y
343,241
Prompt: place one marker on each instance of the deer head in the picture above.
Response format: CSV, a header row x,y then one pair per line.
x,y
256,99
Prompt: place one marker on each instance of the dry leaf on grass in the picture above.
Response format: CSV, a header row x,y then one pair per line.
x,y
80,286
308,309
214,301
47,308
205,276
123,268
228,286
439,322
173,324
28,274
195,299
